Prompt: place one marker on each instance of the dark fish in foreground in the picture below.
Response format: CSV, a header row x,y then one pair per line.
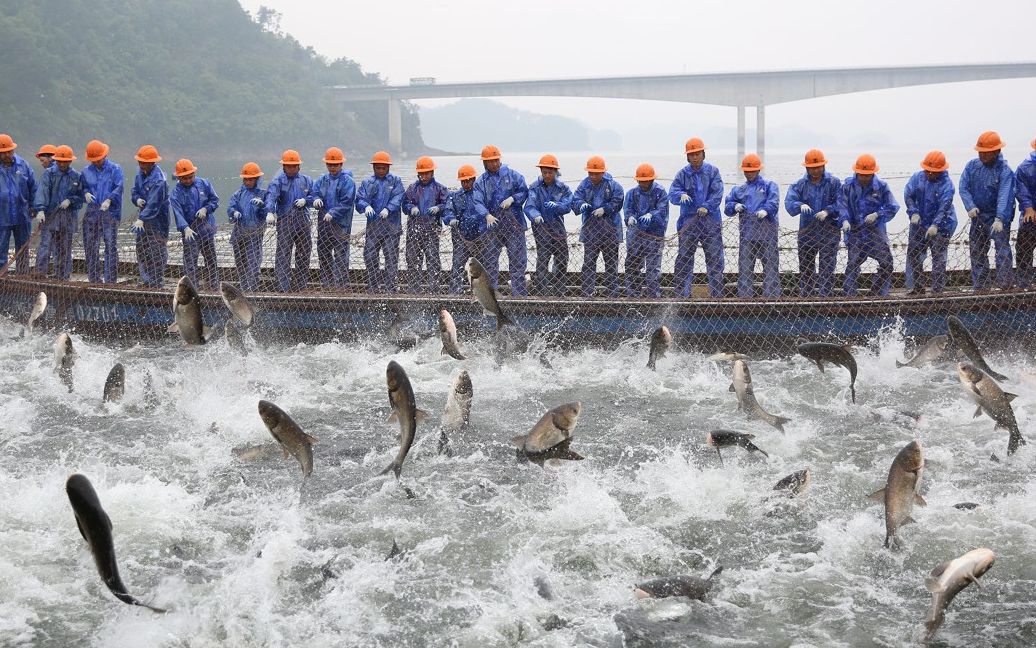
x,y
932,350
746,402
294,442
484,293
457,413
115,384
551,437
660,341
96,528
404,410
448,335
38,308
728,438
692,587
961,338
237,303
796,483
948,580
187,320
836,354
992,400
900,492
64,358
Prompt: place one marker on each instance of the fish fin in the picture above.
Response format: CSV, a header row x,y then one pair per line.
x,y
394,467
1009,396
502,320
394,551
720,455
519,440
779,423
286,453
919,500
393,417
173,328
310,438
486,312
888,540
820,366
715,572
900,365
907,520
443,352
852,390
731,388
81,532
978,412
931,581
877,496
420,415
973,579
997,376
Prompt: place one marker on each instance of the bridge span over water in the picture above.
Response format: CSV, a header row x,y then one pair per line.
x,y
736,89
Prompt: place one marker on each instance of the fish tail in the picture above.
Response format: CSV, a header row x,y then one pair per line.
x,y
395,467
779,422
651,363
715,572
130,600
1014,441
501,319
852,390
899,365
753,447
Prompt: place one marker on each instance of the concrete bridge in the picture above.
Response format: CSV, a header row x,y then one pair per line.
x,y
737,89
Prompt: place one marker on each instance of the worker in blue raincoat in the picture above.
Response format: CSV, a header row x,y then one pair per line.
x,y
756,203
46,156
58,200
814,200
103,184
151,196
928,198
288,199
335,200
500,194
698,189
1025,189
468,230
247,212
17,195
194,202
380,198
646,210
550,200
424,202
987,189
598,201
865,205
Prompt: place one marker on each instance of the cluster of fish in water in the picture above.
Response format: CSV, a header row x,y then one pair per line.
x,y
551,437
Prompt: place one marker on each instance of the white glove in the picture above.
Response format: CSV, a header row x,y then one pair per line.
x,y
383,214
328,217
599,212
141,202
454,222
631,221
201,213
538,220
414,211
318,203
583,207
870,218
932,231
551,204
761,214
89,198
738,208
998,225
433,210
915,219
188,234
236,215
507,202
40,217
106,204
138,226
271,219
491,220
973,213
257,201
300,203
822,214
369,212
684,198
703,211
65,204
805,209
846,226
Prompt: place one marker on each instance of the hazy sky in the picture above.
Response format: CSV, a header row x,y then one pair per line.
x,y
528,39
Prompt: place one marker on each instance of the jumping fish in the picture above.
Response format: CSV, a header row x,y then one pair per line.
x,y
237,303
404,410
932,350
948,580
38,307
992,400
727,438
115,384
796,483
900,492
64,358
458,409
836,354
551,437
484,293
746,402
692,587
962,339
448,335
187,318
294,442
660,341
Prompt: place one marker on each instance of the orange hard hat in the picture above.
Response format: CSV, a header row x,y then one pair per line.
x,y
46,149
814,158
290,157
251,170
1033,143
425,164
989,141
6,143
751,162
96,150
334,155
466,172
866,165
595,165
148,153
935,162
548,161
184,167
645,172
381,157
694,145
490,152
63,153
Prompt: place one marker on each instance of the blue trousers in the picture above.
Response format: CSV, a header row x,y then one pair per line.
x,y
333,254
606,247
860,249
1023,247
206,246
486,249
709,235
56,244
248,255
766,253
918,246
511,237
152,255
461,251
97,226
293,235
643,267
818,254
382,241
423,264
979,238
551,243
21,250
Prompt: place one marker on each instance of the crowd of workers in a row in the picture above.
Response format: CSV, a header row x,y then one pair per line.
x,y
492,211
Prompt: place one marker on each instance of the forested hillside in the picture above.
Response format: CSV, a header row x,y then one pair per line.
x,y
197,74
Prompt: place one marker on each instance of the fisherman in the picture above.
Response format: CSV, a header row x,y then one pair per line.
x,y
1026,190
500,193
550,200
928,198
334,199
424,202
46,156
598,201
756,203
194,203
646,209
287,198
988,193
103,184
17,194
379,198
247,211
814,199
698,189
151,196
468,230
865,205
58,199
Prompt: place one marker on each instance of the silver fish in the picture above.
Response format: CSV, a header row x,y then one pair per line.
x,y
551,437
746,402
836,354
115,384
933,350
992,400
727,438
294,442
64,358
947,580
187,320
660,341
458,409
404,410
962,339
38,308
237,303
901,489
484,293
796,483
448,335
